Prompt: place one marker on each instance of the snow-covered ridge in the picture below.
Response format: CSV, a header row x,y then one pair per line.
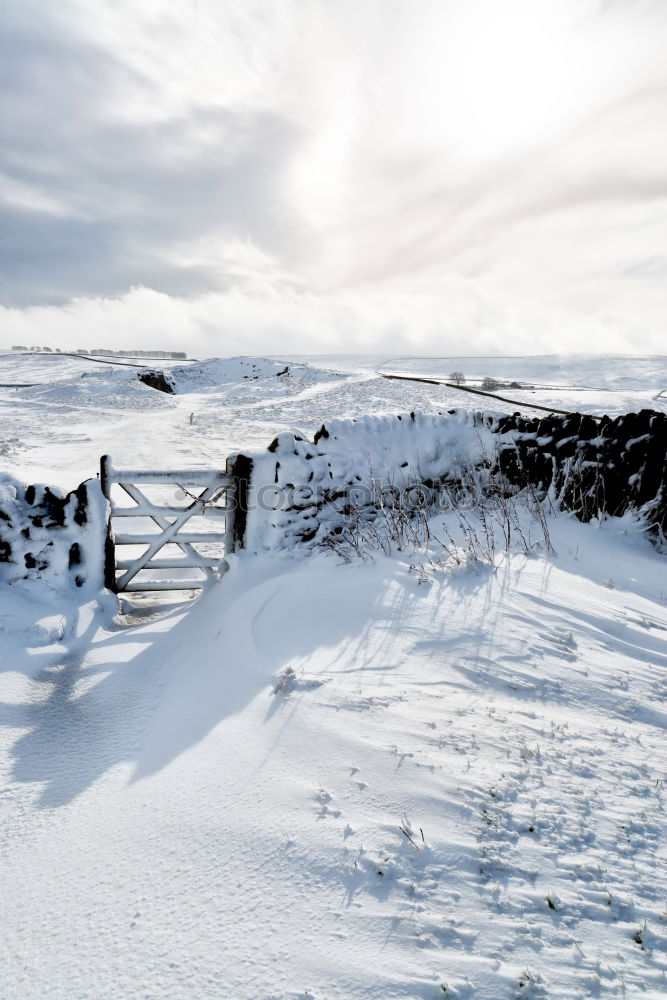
x,y
123,388
107,388
250,375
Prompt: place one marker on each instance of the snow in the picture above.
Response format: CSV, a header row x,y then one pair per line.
x,y
174,827
587,384
296,483
414,775
110,389
239,375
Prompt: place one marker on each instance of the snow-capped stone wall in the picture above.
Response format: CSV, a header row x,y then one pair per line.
x,y
55,539
298,491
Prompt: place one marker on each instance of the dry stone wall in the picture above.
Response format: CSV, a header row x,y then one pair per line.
x,y
606,466
57,540
299,490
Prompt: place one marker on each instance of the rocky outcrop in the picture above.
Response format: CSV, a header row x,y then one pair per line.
x,y
157,380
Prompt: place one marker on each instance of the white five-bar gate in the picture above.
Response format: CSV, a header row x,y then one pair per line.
x,y
190,522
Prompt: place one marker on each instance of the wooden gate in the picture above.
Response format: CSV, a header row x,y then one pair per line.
x,y
194,528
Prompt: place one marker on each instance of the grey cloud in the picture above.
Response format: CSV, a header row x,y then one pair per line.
x,y
128,193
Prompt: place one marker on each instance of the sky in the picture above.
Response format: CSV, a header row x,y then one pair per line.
x,y
266,176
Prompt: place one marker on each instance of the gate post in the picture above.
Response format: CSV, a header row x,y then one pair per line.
x,y
240,469
106,465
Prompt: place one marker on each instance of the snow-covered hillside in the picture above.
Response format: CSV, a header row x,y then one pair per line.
x,y
107,389
405,769
57,432
258,376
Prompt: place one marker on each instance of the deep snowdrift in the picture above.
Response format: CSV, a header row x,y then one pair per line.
x,y
211,804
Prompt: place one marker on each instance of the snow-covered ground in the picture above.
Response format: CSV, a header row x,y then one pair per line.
x,y
175,826
408,777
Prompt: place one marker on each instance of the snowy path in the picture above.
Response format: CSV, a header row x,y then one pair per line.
x,y
59,442
173,828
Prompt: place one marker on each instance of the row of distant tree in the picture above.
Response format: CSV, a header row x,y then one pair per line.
x,y
103,352
20,347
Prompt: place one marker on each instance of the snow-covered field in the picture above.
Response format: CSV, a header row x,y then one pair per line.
x,y
408,777
55,431
586,384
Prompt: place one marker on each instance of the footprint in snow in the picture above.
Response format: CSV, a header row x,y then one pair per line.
x,y
323,798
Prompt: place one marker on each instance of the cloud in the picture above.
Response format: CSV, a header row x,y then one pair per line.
x,y
95,196
441,316
307,175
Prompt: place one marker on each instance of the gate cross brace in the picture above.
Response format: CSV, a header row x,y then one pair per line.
x,y
169,532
